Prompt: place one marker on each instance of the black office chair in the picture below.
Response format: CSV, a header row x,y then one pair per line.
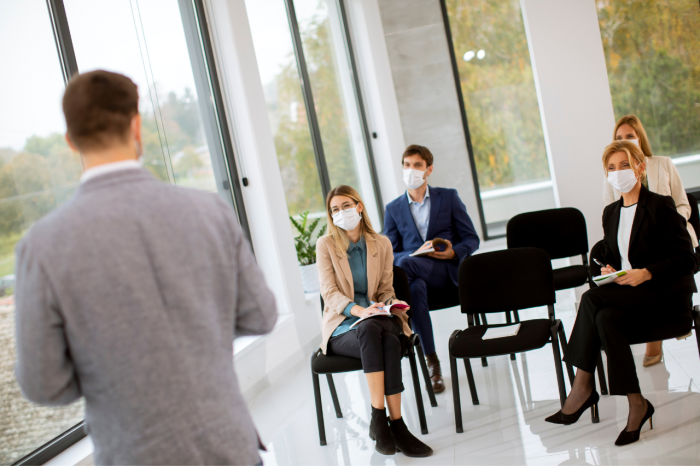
x,y
503,281
331,364
562,234
694,221
446,297
680,327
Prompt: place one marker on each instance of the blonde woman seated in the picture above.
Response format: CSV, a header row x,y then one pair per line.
x,y
662,178
645,236
355,267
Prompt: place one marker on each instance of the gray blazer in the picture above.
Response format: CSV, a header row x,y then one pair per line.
x,y
130,295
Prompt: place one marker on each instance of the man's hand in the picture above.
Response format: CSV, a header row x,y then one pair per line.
x,y
396,311
426,245
447,254
634,277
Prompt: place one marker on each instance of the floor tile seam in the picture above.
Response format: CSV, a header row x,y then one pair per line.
x,y
678,362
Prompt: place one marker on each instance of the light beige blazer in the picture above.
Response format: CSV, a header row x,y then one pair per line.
x,y
337,287
663,178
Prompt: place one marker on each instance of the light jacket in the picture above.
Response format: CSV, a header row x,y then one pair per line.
x,y
337,289
663,178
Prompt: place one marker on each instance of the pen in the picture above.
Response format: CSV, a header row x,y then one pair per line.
x,y
598,262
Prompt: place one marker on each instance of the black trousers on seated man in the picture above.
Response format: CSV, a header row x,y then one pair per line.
x,y
609,317
378,342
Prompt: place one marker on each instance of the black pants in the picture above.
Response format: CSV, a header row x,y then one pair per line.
x,y
609,317
378,343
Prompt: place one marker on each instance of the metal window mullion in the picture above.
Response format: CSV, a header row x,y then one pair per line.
x,y
465,123
308,99
207,57
361,107
64,43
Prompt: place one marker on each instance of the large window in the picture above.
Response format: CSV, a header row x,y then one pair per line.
x,y
306,68
652,52
162,45
504,131
37,174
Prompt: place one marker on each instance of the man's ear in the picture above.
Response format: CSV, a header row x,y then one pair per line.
x,y
136,127
428,171
70,143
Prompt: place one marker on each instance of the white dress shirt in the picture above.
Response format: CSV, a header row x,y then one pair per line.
x,y
421,212
103,169
624,230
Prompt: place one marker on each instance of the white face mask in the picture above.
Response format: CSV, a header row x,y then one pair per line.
x,y
623,180
413,178
347,219
633,141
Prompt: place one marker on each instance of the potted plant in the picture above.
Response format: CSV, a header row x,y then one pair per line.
x,y
306,250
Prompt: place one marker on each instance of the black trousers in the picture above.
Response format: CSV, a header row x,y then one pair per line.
x,y
609,317
378,342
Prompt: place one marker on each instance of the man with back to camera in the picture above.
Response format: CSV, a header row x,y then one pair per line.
x,y
131,294
411,222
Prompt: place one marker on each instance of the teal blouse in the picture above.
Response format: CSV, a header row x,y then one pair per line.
x,y
357,257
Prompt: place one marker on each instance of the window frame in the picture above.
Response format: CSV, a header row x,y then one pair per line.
x,y
321,164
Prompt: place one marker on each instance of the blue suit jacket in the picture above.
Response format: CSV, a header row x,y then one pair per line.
x,y
448,220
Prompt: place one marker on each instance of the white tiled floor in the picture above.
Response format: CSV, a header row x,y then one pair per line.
x,y
506,428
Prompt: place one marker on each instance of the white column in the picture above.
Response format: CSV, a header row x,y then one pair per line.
x,y
574,97
376,80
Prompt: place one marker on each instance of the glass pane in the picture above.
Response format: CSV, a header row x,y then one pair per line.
x,y
274,51
145,40
652,54
501,104
330,74
37,174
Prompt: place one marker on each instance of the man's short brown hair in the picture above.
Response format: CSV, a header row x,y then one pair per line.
x,y
98,107
415,149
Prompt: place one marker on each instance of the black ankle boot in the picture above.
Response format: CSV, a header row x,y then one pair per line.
x,y
379,430
406,442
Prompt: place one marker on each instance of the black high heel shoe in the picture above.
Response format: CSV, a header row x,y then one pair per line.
x,y
627,437
566,419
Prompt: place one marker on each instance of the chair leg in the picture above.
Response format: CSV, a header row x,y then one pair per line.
x,y
508,321
426,375
334,395
319,409
416,389
517,316
470,378
557,364
562,341
455,395
484,362
601,374
696,320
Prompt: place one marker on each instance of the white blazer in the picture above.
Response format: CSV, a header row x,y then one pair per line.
x,y
663,178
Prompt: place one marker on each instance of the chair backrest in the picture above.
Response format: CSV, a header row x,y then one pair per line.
x,y
694,214
401,288
560,232
503,281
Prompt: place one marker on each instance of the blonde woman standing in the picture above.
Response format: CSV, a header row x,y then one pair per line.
x,y
662,178
355,266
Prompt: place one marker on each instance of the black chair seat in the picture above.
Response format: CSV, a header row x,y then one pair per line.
x,y
680,326
335,364
570,277
533,334
442,298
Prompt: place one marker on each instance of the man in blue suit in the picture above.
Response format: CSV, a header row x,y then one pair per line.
x,y
411,222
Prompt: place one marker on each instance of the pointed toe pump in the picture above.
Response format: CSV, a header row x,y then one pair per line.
x,y
567,419
626,437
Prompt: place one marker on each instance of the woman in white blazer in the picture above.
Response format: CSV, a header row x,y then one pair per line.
x,y
662,178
